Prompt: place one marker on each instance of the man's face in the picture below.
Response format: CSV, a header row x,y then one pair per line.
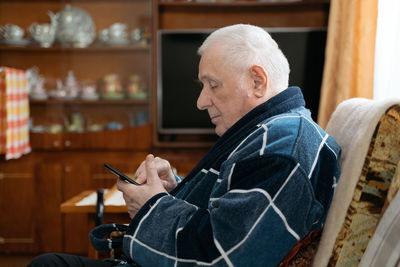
x,y
224,94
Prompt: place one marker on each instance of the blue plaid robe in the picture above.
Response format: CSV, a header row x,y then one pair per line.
x,y
265,184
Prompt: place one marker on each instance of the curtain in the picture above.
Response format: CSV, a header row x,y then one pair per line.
x,y
387,52
349,56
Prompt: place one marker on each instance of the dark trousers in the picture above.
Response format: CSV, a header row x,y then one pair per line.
x,y
66,260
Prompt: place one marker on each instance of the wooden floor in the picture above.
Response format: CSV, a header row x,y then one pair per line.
x,y
14,261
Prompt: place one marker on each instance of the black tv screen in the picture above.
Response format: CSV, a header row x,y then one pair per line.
x,y
178,67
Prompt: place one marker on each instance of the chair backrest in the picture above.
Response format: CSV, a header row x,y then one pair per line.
x,y
369,133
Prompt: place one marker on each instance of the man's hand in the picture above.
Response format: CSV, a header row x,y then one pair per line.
x,y
136,196
164,171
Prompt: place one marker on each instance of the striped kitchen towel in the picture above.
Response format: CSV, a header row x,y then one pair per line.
x,y
14,113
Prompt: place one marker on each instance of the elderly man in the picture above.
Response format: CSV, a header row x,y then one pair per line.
x,y
266,183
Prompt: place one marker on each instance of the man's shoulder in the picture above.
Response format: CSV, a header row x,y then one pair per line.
x,y
282,129
281,134
295,124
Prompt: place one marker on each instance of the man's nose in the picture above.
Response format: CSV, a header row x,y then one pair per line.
x,y
203,102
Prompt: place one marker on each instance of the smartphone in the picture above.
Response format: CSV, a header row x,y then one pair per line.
x,y
120,174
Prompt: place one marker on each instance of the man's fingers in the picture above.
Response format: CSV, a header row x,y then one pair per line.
x,y
151,169
122,185
140,179
140,176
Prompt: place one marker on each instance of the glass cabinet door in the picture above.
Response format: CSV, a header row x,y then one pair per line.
x,y
88,67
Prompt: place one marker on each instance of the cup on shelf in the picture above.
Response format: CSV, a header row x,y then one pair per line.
x,y
89,91
117,34
13,34
102,36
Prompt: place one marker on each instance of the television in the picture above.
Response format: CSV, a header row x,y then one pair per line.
x,y
177,89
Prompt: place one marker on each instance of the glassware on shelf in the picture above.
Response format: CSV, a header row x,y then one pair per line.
x,y
114,125
38,92
70,89
138,118
75,27
44,34
112,88
36,84
142,117
36,128
89,91
116,34
95,127
55,128
137,88
13,35
102,36
74,124
71,86
138,36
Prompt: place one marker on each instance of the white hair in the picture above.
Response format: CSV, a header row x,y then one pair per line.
x,y
246,45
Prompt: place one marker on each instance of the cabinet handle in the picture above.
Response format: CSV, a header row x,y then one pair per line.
x,y
4,240
56,144
67,143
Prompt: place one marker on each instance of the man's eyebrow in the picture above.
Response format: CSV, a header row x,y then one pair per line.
x,y
207,78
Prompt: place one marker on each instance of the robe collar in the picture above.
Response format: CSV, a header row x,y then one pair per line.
x,y
283,102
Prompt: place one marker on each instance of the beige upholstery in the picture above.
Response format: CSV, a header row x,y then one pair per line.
x,y
369,133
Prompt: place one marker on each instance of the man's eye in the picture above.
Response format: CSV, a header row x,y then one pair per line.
x,y
213,85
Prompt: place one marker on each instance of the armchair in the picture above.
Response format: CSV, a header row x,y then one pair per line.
x,y
358,230
369,133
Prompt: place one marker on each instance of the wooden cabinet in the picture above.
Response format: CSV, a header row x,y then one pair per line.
x,y
92,176
32,189
65,160
17,194
51,119
48,197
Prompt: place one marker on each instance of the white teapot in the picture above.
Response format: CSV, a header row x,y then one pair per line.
x,y
75,27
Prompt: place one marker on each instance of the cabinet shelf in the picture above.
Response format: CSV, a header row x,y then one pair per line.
x,y
128,138
242,3
94,48
72,1
90,102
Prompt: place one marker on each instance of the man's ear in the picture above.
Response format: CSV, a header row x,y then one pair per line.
x,y
260,80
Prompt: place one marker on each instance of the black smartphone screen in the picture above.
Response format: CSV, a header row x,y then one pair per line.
x,y
120,174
